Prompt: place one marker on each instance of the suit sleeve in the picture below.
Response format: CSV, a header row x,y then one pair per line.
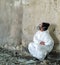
x,y
49,41
36,39
49,44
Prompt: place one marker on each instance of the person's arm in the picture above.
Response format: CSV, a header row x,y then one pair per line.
x,y
36,39
49,43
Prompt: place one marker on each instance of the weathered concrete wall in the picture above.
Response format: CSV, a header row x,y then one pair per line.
x,y
11,13
19,20
37,11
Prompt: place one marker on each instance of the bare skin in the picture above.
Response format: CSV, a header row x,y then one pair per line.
x,y
42,43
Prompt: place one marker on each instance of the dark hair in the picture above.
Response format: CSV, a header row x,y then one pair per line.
x,y
45,26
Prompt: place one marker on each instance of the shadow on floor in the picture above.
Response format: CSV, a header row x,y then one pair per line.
x,y
13,56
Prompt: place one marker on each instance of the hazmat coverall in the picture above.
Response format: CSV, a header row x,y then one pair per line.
x,y
36,49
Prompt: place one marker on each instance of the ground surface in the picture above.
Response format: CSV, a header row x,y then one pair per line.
x,y
8,57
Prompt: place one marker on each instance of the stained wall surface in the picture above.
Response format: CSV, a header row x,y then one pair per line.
x,y
37,11
19,20
11,13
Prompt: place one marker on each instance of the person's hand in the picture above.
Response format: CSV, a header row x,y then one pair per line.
x,y
42,43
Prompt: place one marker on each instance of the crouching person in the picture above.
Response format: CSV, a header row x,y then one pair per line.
x,y
42,42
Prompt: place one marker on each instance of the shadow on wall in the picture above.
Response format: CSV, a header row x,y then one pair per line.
x,y
51,30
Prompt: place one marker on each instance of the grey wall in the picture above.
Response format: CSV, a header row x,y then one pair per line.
x,y
19,19
11,13
37,11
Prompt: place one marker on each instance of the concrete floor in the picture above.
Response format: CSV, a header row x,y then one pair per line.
x,y
8,57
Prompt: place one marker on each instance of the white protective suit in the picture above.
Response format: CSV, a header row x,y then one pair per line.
x,y
36,49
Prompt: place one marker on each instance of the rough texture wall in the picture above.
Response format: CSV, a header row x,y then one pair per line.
x,y
37,11
19,20
11,13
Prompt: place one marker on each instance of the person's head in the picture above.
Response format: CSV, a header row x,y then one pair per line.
x,y
44,26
